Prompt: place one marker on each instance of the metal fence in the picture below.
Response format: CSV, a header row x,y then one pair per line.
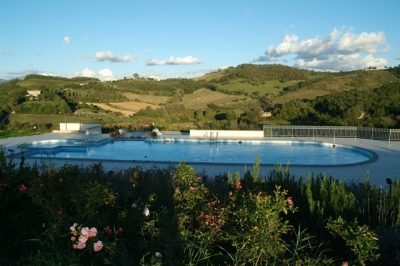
x,y
331,132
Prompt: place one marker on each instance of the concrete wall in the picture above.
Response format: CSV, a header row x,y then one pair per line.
x,y
226,133
87,128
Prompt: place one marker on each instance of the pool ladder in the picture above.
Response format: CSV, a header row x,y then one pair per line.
x,y
216,137
48,154
88,142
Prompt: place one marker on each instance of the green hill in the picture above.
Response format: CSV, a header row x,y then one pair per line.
x,y
239,93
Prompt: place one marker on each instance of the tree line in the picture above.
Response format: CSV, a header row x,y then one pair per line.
x,y
378,107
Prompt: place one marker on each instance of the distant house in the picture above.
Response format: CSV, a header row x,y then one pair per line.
x,y
266,114
144,124
33,93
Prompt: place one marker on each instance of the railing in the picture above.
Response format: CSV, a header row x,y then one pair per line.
x,y
47,153
331,132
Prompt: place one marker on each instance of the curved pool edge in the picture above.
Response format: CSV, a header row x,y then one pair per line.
x,y
374,158
374,155
385,165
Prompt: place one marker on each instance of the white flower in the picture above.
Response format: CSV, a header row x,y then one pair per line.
x,y
146,212
134,205
158,255
72,228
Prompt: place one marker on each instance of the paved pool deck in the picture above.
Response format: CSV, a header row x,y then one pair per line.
x,y
386,165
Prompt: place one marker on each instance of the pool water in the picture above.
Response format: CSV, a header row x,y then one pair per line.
x,y
221,151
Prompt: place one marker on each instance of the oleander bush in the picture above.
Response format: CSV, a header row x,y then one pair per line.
x,y
76,215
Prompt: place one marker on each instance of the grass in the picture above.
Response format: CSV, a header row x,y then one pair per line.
x,y
41,119
45,82
152,99
5,134
202,97
270,87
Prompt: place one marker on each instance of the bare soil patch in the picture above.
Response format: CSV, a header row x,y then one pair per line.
x,y
126,108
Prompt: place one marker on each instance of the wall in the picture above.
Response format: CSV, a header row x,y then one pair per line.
x,y
87,128
226,133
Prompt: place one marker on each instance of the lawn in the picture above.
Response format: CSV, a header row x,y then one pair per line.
x,y
202,97
270,87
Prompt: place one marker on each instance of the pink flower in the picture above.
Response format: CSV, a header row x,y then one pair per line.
x,y
85,231
82,239
108,230
22,187
119,231
3,184
73,238
121,172
143,174
289,200
79,245
50,174
198,179
192,188
58,212
92,232
146,212
238,185
98,246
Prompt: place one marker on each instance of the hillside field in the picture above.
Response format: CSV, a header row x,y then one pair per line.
x,y
126,108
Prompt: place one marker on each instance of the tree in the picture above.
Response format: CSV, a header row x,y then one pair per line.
x,y
136,76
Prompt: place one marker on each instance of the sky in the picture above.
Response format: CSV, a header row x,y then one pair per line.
x,y
188,38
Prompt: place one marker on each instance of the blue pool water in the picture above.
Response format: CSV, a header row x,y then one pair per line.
x,y
221,151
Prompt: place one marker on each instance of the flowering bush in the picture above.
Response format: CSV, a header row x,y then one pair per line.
x,y
175,216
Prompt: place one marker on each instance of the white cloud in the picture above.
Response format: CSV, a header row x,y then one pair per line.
x,y
67,40
104,74
187,60
7,52
343,62
86,73
365,42
47,74
336,51
109,56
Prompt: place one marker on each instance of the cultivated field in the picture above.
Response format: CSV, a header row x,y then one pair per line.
x,y
202,97
152,99
126,108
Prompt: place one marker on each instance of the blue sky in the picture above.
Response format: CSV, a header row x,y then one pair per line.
x,y
167,39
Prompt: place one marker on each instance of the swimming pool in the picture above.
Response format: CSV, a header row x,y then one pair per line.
x,y
205,151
